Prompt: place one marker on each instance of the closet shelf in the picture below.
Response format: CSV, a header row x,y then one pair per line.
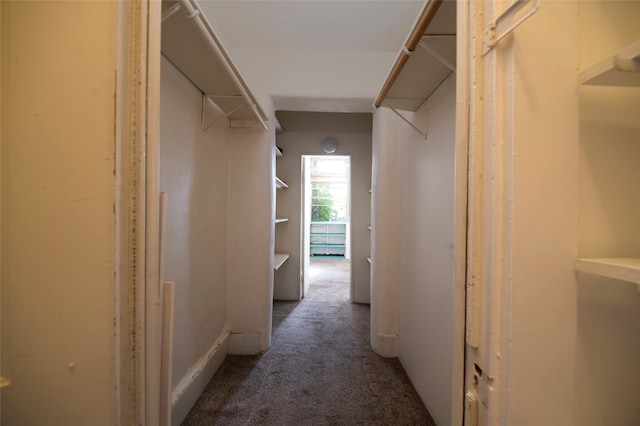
x,y
425,61
278,152
189,42
369,260
279,259
625,269
621,69
280,183
282,220
422,74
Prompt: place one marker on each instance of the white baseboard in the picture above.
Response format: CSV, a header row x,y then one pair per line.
x,y
190,387
385,345
245,343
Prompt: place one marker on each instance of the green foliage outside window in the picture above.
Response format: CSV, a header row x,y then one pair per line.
x,y
321,209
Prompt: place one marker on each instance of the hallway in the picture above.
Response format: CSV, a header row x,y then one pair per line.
x,y
319,370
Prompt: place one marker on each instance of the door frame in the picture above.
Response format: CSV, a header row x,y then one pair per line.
x,y
137,114
305,215
461,211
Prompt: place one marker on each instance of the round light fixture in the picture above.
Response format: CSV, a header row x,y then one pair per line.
x,y
329,145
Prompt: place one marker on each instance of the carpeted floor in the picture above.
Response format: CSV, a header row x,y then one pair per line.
x,y
319,370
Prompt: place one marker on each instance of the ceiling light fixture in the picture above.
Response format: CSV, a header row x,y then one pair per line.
x,y
329,145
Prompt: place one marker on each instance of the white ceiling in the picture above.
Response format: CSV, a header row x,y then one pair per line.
x,y
303,40
342,25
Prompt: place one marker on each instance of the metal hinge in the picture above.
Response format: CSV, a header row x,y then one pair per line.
x,y
515,15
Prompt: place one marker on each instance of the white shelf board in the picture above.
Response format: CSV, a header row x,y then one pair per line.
x,y
369,260
423,72
203,59
280,183
282,220
422,75
620,69
626,269
279,259
278,152
278,126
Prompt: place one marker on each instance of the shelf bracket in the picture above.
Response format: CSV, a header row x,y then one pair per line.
x,y
511,18
220,114
213,105
436,55
423,134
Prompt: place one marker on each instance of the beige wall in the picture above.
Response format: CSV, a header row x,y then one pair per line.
x,y
608,311
557,346
303,133
572,193
539,224
58,220
523,221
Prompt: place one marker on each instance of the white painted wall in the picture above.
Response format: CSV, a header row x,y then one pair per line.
x,y
306,224
385,224
251,215
413,257
608,311
58,220
219,237
426,286
193,173
303,134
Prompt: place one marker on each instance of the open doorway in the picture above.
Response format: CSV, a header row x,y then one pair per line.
x,y
326,225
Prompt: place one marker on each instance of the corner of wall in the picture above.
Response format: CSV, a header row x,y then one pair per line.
x,y
245,343
384,235
250,235
385,345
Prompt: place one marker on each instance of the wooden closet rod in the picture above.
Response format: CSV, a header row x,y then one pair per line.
x,y
428,13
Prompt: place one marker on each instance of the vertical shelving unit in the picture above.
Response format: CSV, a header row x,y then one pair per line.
x,y
328,239
607,310
622,70
279,258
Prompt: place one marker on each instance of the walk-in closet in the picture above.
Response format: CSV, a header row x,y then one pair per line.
x,y
151,208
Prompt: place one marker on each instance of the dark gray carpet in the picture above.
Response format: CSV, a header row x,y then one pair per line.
x,y
320,369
